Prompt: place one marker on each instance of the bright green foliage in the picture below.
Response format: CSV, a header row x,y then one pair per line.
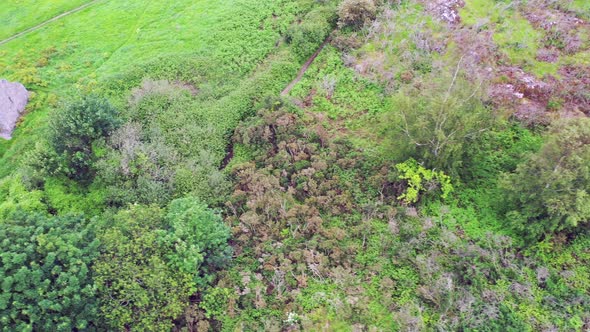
x,y
14,196
63,197
45,274
215,302
152,263
421,180
340,93
199,238
550,191
138,288
435,124
75,129
307,36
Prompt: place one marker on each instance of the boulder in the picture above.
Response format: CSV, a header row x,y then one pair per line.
x,y
13,99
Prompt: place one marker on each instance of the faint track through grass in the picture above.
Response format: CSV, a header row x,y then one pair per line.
x,y
39,26
305,67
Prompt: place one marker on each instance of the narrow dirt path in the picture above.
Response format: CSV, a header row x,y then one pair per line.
x,y
305,67
230,148
39,26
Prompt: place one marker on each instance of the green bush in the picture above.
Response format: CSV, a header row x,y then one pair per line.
x,y
45,274
137,170
549,192
215,302
15,196
308,35
199,237
75,130
499,150
138,288
421,181
153,262
435,123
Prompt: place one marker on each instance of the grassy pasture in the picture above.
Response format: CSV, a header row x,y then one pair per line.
x,y
19,15
112,36
105,45
581,8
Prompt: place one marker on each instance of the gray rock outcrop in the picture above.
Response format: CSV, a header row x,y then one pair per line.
x,y
13,99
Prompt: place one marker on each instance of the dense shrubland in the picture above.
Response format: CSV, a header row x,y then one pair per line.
x,y
401,185
312,31
322,226
549,189
436,122
46,273
153,261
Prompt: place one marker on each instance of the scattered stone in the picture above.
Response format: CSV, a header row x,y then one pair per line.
x,y
13,100
504,94
532,113
530,86
445,10
547,55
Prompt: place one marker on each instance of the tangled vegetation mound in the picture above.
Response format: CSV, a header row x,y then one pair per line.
x,y
296,165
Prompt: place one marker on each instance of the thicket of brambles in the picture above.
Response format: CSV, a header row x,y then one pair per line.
x,y
388,191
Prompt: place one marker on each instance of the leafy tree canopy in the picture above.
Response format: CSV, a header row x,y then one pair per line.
x,y
200,238
75,128
550,191
45,275
153,262
433,124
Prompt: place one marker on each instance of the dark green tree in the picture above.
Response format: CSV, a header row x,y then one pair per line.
x,y
550,191
45,275
200,237
74,131
307,36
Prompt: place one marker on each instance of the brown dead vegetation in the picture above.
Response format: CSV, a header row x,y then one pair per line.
x,y
530,99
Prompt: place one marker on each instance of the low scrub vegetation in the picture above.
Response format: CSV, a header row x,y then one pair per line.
x,y
426,169
356,13
549,190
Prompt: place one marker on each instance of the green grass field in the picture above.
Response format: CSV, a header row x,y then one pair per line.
x,y
111,36
581,7
97,46
19,15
